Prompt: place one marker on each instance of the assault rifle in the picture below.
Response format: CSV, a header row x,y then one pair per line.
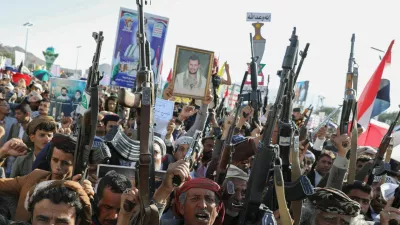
x,y
88,121
255,95
193,150
381,151
267,152
228,149
143,100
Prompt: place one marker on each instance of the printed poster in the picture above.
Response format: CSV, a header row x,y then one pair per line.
x,y
65,96
126,51
300,91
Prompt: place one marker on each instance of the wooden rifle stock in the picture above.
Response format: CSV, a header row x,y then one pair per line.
x,y
228,150
296,173
286,219
353,151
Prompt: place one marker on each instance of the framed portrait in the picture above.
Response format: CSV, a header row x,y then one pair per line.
x,y
192,72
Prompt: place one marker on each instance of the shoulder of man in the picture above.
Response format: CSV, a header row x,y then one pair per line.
x,y
38,173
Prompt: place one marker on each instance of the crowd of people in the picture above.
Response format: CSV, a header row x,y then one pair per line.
x,y
37,157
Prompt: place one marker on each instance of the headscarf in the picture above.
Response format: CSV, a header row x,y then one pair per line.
x,y
86,215
331,200
162,145
235,172
203,183
182,141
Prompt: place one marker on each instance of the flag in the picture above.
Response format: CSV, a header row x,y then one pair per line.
x,y
222,70
382,100
369,94
226,93
169,78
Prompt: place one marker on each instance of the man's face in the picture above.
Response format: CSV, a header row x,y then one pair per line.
x,y
44,108
323,166
157,156
364,199
324,218
21,117
64,92
110,125
181,152
193,66
61,164
4,108
40,138
77,95
46,212
200,207
297,115
234,204
108,207
208,145
111,104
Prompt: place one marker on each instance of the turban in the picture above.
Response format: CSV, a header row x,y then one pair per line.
x,y
311,155
331,200
203,183
35,122
183,140
162,145
235,172
86,215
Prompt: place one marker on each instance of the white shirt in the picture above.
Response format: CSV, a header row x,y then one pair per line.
x,y
318,178
21,131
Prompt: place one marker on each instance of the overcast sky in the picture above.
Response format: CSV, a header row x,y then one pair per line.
x,y
220,26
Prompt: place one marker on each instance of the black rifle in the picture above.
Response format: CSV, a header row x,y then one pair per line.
x,y
266,97
255,95
88,121
381,151
190,156
267,152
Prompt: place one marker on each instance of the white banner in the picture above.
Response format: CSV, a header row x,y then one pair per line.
x,y
258,17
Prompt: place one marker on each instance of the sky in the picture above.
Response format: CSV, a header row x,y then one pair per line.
x,y
220,26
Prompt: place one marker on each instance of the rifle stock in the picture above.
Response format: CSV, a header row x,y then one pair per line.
x,y
280,195
296,173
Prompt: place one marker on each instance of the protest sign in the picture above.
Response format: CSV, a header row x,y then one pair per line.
x,y
163,113
65,96
126,51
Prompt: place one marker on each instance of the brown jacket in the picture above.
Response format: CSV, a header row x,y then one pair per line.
x,y
19,187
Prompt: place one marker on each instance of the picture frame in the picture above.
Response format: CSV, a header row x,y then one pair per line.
x,y
192,61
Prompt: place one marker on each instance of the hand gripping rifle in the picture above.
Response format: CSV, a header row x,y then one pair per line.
x,y
228,150
381,152
143,100
193,150
88,121
267,153
255,95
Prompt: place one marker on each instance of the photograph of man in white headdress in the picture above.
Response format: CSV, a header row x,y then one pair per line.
x,y
192,72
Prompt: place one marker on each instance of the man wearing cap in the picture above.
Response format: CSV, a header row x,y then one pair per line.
x,y
34,100
328,206
40,131
61,162
234,193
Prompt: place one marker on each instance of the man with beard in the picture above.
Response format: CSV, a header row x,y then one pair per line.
x,y
64,103
208,148
192,81
234,193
